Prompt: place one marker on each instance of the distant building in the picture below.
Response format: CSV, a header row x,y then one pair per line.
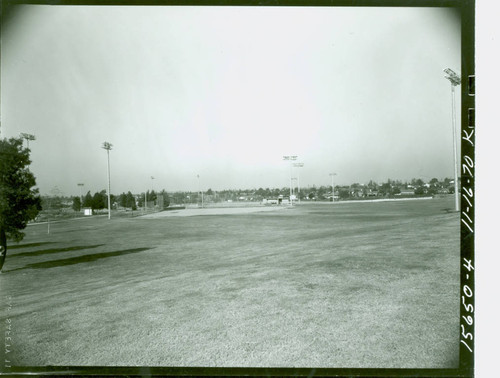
x,y
406,192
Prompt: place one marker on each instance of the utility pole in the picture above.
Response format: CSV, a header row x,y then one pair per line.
x,y
108,146
454,79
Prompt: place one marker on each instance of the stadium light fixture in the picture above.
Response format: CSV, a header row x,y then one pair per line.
x,y
108,146
28,137
452,76
290,158
454,79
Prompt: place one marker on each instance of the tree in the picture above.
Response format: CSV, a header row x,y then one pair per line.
x,y
385,188
140,200
87,200
113,200
99,200
419,191
321,193
372,185
260,192
19,200
130,201
122,200
344,193
416,182
166,199
77,203
152,196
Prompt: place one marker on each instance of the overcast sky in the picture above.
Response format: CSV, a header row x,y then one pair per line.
x,y
225,92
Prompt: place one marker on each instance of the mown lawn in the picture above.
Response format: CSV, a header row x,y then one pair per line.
x,y
327,285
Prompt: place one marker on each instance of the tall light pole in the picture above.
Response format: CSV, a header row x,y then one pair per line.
x,y
290,158
333,188
454,79
152,189
28,137
80,184
298,165
199,190
108,146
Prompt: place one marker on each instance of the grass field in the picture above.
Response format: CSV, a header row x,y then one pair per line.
x,y
317,285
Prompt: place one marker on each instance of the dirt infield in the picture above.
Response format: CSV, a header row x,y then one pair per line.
x,y
212,211
226,209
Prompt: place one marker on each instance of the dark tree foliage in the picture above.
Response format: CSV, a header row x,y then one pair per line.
x,y
19,200
99,200
113,200
127,201
321,193
419,191
87,200
344,193
77,203
385,188
122,200
140,200
152,196
166,199
130,201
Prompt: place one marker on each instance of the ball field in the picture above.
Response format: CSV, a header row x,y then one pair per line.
x,y
342,285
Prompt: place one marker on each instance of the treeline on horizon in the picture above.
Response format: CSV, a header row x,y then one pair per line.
x,y
99,200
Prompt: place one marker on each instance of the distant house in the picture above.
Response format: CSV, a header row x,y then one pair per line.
x,y
270,201
406,192
356,193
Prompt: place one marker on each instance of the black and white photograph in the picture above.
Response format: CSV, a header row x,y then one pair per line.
x,y
236,187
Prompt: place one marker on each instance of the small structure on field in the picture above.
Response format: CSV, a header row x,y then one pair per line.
x,y
279,201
